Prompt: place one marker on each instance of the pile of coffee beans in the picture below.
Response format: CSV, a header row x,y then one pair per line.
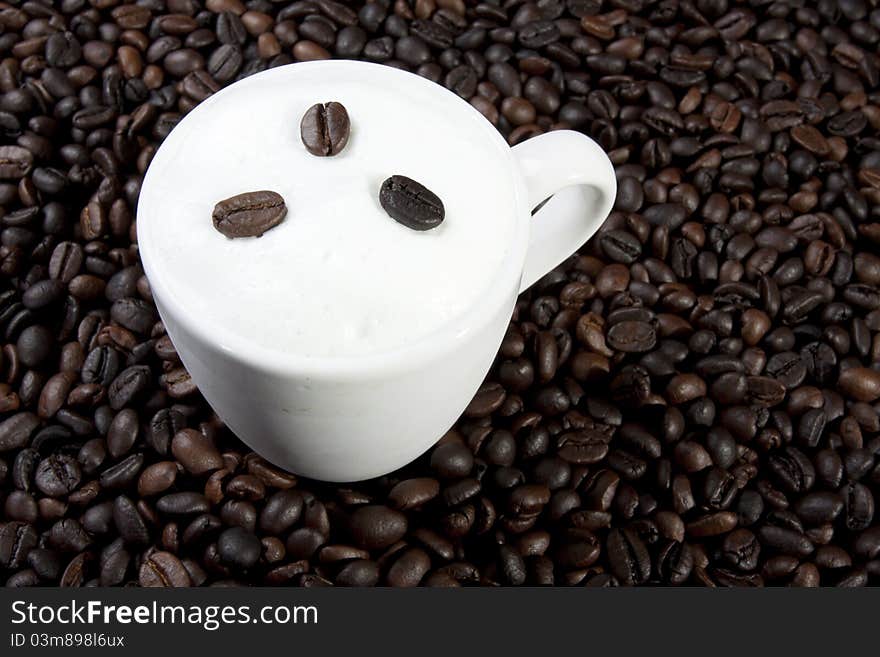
x,y
691,399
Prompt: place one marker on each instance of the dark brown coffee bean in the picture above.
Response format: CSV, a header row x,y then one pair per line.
x,y
123,473
15,162
17,539
589,445
375,527
786,541
162,428
621,246
632,336
183,504
452,460
239,548
860,383
325,129
123,432
42,294
413,493
742,549
713,524
249,215
15,431
304,542
675,563
411,204
66,261
819,507
692,456
684,388
859,506
409,568
58,475
628,556
34,344
163,569
157,478
787,368
360,572
793,469
282,511
195,452
462,80
128,521
128,386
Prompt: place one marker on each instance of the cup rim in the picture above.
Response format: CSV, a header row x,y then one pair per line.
x,y
442,339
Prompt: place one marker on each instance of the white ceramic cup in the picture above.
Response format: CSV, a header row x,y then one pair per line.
x,y
346,420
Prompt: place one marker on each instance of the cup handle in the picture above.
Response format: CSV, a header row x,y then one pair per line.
x,y
577,172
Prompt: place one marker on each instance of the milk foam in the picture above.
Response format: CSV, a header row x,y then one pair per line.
x,y
338,277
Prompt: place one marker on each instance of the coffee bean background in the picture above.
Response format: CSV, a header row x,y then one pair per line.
x,y
691,399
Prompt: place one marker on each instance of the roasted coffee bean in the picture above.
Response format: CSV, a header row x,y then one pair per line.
x,y
713,524
742,549
375,527
452,460
195,452
128,521
632,336
859,506
68,535
57,475
585,446
122,474
17,539
16,430
462,80
128,386
409,568
325,129
34,345
787,541
283,509
793,469
157,478
122,433
811,427
413,493
621,246
691,456
787,368
819,507
15,162
250,214
860,383
162,428
163,569
411,204
359,572
225,62
628,556
182,504
239,548
302,543
66,261
675,563
101,366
